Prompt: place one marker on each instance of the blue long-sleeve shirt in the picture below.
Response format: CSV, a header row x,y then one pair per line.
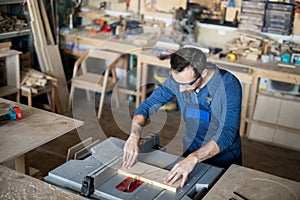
x,y
212,114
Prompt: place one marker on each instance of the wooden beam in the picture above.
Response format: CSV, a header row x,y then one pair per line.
x,y
46,23
49,56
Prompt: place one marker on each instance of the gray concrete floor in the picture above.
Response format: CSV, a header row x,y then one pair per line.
x,y
116,122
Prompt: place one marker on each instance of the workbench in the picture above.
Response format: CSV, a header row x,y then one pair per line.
x,y
247,71
243,183
100,40
270,70
16,185
36,128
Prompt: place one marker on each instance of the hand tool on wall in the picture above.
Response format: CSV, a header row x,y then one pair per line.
x,y
14,113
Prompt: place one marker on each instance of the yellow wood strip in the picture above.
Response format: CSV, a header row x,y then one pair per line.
x,y
149,174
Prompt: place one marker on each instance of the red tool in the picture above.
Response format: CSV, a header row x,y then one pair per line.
x,y
14,113
129,185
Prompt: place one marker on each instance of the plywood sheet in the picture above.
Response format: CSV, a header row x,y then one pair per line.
x,y
252,184
149,174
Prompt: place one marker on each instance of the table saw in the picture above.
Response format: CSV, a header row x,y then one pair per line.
x,y
94,177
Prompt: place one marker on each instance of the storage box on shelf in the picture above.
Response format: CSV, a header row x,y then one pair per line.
x,y
279,18
252,15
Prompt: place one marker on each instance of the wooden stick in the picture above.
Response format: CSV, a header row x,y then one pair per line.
x,y
46,23
149,174
286,65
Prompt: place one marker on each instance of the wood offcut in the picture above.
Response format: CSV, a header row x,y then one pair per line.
x,y
149,174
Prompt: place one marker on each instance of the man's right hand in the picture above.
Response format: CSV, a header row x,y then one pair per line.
x,y
131,150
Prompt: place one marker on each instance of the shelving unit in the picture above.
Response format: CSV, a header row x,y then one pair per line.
x,y
3,2
18,32
276,120
12,34
10,58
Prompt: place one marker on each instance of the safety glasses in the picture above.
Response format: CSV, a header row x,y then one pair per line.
x,y
189,83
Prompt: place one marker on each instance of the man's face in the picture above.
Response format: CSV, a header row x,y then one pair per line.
x,y
187,79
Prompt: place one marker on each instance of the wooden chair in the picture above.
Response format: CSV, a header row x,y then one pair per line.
x,y
92,81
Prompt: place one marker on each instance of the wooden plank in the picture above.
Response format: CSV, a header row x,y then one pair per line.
x,y
252,184
38,19
72,150
58,72
49,57
13,69
286,65
38,49
149,174
46,23
37,37
5,45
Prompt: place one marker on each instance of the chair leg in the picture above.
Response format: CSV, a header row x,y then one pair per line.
x,y
101,103
53,103
29,97
71,97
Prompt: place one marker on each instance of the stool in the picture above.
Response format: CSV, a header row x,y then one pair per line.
x,y
42,90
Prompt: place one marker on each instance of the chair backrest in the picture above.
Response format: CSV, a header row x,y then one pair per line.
x,y
102,54
110,57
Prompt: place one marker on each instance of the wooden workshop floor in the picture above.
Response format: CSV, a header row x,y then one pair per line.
x,y
267,158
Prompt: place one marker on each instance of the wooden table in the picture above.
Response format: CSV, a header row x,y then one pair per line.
x,y
15,185
36,128
252,184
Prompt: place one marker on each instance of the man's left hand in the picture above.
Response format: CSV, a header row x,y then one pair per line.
x,y
182,168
